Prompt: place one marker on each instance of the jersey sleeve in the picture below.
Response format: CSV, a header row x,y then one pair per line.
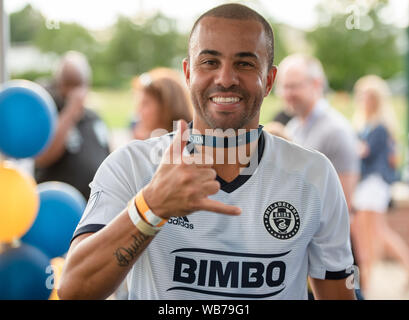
x,y
329,252
114,184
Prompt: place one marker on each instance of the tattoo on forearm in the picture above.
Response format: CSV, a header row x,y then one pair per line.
x,y
124,256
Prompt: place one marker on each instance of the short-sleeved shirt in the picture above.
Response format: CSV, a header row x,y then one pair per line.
x,y
327,131
294,223
381,146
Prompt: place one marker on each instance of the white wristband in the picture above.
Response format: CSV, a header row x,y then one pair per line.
x,y
146,213
139,223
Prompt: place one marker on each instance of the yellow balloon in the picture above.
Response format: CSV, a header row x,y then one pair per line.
x,y
57,265
19,202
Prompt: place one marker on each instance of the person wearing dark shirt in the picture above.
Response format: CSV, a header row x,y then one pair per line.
x,y
283,117
375,122
80,142
379,147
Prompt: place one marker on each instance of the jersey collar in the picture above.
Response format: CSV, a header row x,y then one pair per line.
x,y
246,174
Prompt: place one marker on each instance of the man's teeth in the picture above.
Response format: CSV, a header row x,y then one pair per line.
x,y
225,99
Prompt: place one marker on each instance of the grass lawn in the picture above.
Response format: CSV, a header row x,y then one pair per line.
x,y
117,109
114,106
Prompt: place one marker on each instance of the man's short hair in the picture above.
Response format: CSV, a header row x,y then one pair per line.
x,y
79,62
314,68
240,12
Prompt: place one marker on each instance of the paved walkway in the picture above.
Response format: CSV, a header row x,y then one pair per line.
x,y
388,282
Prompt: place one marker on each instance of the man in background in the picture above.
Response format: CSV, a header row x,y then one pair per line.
x,y
301,83
316,125
80,142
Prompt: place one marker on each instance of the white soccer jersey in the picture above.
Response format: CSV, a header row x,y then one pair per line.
x,y
294,223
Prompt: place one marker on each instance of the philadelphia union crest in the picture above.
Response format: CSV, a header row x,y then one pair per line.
x,y
281,220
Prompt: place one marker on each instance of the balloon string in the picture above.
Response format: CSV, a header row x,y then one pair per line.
x,y
4,246
15,243
2,158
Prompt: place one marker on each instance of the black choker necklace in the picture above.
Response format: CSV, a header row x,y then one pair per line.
x,y
225,142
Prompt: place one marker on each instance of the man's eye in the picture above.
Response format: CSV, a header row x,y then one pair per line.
x,y
210,62
245,64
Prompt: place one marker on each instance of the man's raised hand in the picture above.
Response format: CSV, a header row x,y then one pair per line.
x,y
181,185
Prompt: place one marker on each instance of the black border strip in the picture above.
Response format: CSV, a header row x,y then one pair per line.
x,y
241,179
337,275
87,229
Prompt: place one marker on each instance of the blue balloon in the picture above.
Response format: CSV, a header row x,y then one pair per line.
x,y
27,119
23,274
61,208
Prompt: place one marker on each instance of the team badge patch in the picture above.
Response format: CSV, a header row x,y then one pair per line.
x,y
281,220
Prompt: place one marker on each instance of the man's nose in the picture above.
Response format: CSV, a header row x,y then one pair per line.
x,y
288,90
227,76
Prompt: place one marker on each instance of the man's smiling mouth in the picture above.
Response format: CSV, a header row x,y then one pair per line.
x,y
225,100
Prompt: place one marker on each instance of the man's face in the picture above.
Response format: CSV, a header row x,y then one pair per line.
x,y
227,73
297,89
68,80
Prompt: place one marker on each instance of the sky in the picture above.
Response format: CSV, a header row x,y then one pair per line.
x,y
98,14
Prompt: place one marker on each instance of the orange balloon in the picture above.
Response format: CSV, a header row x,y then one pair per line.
x,y
56,265
19,203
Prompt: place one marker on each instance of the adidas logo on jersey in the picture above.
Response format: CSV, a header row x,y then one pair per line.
x,y
181,221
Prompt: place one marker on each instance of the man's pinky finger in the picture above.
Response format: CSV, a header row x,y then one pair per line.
x,y
219,207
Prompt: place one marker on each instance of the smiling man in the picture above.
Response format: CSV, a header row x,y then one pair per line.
x,y
195,227
228,79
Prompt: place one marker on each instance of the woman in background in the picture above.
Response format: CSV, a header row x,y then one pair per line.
x,y
161,98
375,123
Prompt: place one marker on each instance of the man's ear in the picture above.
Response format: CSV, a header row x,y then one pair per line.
x,y
319,85
186,70
270,79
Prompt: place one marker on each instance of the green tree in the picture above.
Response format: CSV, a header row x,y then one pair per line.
x,y
349,49
24,24
61,37
280,47
138,47
30,26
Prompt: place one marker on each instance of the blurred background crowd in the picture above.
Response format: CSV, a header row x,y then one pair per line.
x,y
341,89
